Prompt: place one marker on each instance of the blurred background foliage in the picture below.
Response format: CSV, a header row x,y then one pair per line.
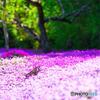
x,y
82,33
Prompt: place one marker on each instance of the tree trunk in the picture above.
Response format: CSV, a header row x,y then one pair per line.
x,y
5,27
43,37
6,36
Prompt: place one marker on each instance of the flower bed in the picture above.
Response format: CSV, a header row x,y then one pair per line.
x,y
60,74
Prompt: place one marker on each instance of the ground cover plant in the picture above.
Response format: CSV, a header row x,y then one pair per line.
x,y
25,75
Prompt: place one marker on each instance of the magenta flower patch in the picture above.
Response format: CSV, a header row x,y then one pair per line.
x,y
13,53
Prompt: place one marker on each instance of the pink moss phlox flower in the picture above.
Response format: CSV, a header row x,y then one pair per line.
x,y
12,53
21,52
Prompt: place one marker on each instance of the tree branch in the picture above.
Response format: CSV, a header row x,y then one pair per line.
x,y
78,12
61,6
64,17
58,18
30,31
